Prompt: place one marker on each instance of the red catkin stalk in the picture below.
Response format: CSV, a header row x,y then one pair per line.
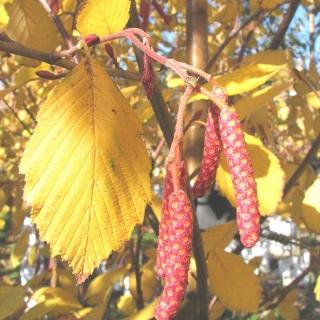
x,y
211,154
178,255
163,237
235,149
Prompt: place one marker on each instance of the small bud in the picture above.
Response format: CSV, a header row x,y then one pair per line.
x,y
91,39
49,75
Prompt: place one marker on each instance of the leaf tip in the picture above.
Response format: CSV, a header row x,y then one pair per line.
x,y
82,277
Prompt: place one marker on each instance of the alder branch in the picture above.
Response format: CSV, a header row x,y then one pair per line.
x,y
61,28
303,166
135,256
232,34
278,38
17,48
284,291
25,127
157,101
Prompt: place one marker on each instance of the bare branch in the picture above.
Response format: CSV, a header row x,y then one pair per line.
x,y
277,39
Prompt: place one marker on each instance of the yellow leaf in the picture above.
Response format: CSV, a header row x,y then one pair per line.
x,y
267,172
12,298
86,169
219,236
30,25
269,4
2,224
129,91
20,248
255,262
67,301
271,57
286,308
103,17
145,313
216,311
4,18
99,285
250,103
228,12
311,207
305,180
148,283
126,304
175,82
230,278
41,309
248,77
96,312
313,100
317,289
6,91
3,197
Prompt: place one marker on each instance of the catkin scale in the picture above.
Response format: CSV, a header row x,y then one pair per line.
x,y
178,255
211,154
235,149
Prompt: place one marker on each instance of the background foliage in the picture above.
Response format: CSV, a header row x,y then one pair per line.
x,y
265,53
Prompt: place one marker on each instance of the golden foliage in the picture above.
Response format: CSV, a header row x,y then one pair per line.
x,y
30,25
103,17
86,169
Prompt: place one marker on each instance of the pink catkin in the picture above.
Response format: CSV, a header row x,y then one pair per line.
x,y
178,255
235,149
166,216
211,154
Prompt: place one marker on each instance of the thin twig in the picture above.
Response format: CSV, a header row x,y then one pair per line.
x,y
138,274
61,28
232,34
16,115
278,38
302,167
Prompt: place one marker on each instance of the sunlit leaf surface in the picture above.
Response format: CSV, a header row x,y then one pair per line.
x,y
30,25
311,207
86,169
230,278
103,17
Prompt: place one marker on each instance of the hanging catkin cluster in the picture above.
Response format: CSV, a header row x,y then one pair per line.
x,y
174,243
223,132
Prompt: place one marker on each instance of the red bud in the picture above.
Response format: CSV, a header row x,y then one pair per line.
x,y
91,39
49,75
